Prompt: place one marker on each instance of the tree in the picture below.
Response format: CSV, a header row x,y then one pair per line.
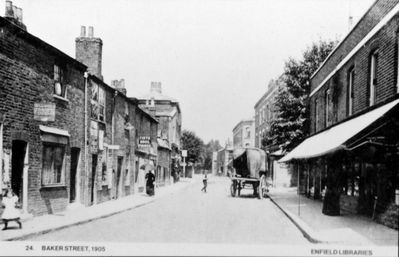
x,y
194,146
291,124
209,148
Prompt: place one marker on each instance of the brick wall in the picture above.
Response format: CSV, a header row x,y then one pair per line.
x,y
26,78
379,9
386,43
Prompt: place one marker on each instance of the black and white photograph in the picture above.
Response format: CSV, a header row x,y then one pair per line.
x,y
199,127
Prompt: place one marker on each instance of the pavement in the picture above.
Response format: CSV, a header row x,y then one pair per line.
x,y
349,229
48,223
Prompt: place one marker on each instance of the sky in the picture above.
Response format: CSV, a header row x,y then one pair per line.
x,y
215,57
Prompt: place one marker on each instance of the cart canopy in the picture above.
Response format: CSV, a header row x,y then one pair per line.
x,y
249,162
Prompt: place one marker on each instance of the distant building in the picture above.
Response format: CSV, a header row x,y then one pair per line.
x,y
167,111
222,160
265,112
244,134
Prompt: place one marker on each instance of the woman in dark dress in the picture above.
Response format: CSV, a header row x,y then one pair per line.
x,y
150,183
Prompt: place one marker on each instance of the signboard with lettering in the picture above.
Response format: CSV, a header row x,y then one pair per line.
x,y
144,141
44,111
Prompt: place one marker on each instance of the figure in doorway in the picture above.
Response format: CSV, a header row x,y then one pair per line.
x,y
150,177
11,212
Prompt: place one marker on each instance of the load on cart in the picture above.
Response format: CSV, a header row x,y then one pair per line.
x,y
249,171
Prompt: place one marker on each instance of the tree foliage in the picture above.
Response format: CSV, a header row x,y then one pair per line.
x,y
209,148
291,123
194,146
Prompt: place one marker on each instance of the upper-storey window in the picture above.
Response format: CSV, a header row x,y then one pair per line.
x,y
316,114
351,79
97,102
327,108
59,86
373,76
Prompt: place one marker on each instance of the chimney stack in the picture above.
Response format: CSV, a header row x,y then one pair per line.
x,y
89,51
156,87
14,14
119,85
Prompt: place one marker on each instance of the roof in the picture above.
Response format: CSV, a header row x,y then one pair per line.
x,y
40,43
273,87
335,138
147,114
169,113
242,122
157,96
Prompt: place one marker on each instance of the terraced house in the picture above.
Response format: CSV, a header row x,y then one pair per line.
x,y
67,138
351,158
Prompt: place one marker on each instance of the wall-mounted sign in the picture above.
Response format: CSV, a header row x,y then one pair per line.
x,y
144,141
44,111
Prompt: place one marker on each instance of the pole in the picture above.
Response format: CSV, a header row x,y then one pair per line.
x,y
184,166
299,195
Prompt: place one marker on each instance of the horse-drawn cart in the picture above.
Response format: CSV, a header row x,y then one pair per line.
x,y
249,171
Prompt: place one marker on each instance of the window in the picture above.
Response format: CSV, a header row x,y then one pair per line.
x,y
351,77
59,87
327,107
247,132
53,164
97,102
373,76
316,112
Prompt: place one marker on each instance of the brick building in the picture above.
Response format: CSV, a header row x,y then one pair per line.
x,y
115,126
42,121
66,136
167,111
265,112
351,157
244,134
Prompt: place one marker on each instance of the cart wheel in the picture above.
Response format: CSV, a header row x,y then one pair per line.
x,y
262,188
233,189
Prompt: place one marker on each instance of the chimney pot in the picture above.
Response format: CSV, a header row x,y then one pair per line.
x,y
82,31
9,9
91,31
156,87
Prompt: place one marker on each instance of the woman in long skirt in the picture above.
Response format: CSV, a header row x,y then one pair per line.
x,y
11,213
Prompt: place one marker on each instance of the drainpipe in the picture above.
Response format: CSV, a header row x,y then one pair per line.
x,y
86,75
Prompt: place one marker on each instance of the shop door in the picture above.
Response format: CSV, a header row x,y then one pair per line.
x,y
74,166
118,176
17,162
93,177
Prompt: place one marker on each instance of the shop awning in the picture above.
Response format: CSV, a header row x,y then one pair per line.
x,y
334,139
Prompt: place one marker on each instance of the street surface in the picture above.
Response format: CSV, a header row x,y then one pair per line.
x,y
191,216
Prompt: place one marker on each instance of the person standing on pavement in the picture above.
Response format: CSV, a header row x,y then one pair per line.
x,y
150,183
11,213
205,181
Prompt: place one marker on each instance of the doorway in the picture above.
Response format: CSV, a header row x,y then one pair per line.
x,y
17,168
118,176
93,176
75,152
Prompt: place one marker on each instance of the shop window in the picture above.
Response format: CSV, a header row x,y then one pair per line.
x,y
53,164
352,180
59,85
